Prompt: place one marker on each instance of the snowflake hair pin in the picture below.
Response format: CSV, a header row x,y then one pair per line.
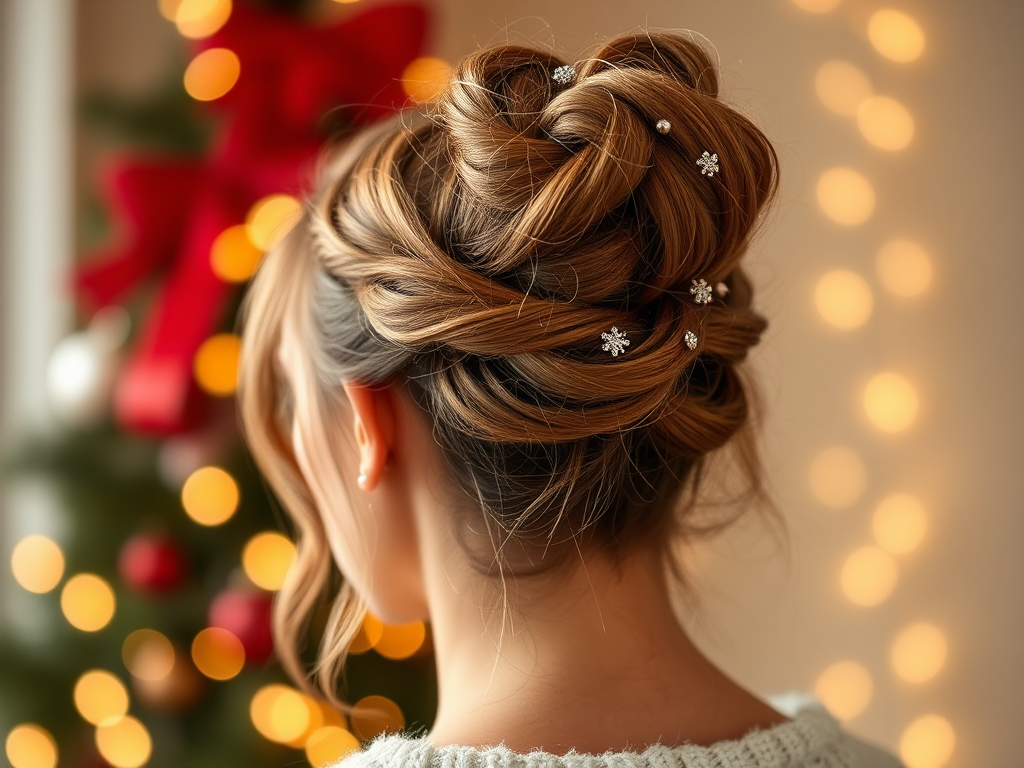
x,y
691,339
564,74
708,164
701,291
615,341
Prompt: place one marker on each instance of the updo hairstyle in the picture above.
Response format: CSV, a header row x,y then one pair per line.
x,y
474,253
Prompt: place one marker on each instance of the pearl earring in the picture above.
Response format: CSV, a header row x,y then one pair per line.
x,y
361,481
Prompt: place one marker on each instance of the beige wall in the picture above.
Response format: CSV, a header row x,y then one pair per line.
x,y
956,190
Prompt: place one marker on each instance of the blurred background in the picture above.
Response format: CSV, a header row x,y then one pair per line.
x,y
153,149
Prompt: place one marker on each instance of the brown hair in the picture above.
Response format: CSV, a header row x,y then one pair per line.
x,y
475,253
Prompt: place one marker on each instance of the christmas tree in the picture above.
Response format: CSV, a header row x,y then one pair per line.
x,y
152,645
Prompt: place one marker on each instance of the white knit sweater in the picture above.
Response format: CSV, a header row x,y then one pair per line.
x,y
812,739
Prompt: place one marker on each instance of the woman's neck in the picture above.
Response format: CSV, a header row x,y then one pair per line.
x,y
593,660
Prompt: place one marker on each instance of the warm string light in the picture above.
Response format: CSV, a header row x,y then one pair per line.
x,y
218,654
890,402
846,196
87,602
100,697
212,73
896,35
392,641
215,365
425,78
918,653
148,655
374,715
869,576
233,256
37,564
210,496
928,742
125,743
266,559
197,19
30,746
844,299
270,219
845,689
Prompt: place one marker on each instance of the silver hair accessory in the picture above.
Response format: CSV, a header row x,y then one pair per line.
x,y
722,288
701,291
663,126
691,339
615,341
708,163
564,74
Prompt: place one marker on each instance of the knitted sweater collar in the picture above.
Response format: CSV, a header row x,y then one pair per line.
x,y
812,738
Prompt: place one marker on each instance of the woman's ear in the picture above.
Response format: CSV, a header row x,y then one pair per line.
x,y
373,418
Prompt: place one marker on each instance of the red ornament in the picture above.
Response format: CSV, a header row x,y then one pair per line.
x,y
246,615
152,563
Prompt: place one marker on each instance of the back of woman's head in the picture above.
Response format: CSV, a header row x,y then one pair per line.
x,y
479,254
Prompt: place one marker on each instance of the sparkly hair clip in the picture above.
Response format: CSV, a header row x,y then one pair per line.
x,y
708,164
615,342
564,75
701,291
663,126
691,339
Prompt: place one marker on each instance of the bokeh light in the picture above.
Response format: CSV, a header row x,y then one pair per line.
x,y
374,715
885,123
100,697
928,742
919,652
280,713
890,402
314,722
201,18
29,746
148,655
401,641
233,256
869,576
37,564
904,268
216,364
899,523
896,35
212,73
369,633
425,78
169,8
218,654
328,745
816,6
124,744
270,219
844,299
87,602
266,559
846,196
845,689
837,477
842,87
210,496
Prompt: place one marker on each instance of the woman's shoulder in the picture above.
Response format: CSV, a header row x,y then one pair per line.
x,y
812,737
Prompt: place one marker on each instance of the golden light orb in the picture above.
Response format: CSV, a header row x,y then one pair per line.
x,y
270,219
816,6
842,86
844,299
402,640
869,576
919,652
280,713
100,697
233,257
124,744
885,123
314,722
837,477
890,402
846,196
30,746
374,715
210,496
368,636
266,559
425,78
845,689
87,602
896,35
928,742
218,654
212,73
168,8
215,365
197,19
148,655
328,745
37,564
904,268
899,523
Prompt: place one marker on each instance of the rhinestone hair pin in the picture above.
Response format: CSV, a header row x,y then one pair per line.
x,y
564,74
708,163
691,339
615,341
701,291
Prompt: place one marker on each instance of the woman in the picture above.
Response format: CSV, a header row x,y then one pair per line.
x,y
485,372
